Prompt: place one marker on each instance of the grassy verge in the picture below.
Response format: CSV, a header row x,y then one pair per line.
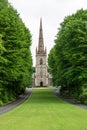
x,y
44,111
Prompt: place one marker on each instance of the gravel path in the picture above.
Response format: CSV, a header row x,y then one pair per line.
x,y
10,106
67,99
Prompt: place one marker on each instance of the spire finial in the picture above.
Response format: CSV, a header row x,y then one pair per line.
x,y
41,43
41,23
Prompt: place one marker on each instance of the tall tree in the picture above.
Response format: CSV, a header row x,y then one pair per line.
x,y
70,51
17,65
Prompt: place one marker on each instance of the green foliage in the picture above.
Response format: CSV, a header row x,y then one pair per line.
x,y
83,96
52,65
3,4
1,103
33,69
15,54
71,54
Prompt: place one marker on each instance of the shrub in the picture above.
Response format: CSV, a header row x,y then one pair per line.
x,y
83,96
1,103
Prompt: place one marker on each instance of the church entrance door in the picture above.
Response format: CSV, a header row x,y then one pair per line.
x,y
41,84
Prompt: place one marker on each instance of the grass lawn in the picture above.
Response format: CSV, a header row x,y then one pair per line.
x,y
44,111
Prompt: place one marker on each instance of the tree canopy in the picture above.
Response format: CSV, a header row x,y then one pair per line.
x,y
15,54
70,55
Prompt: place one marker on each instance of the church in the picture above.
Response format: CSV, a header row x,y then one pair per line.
x,y
41,77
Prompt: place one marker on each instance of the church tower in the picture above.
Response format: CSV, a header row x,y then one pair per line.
x,y
41,74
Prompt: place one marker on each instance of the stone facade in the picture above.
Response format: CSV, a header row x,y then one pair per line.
x,y
41,78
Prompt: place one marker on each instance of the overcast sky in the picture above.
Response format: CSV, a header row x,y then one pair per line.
x,y
52,13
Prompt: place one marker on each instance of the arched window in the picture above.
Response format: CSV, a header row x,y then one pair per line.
x,y
41,61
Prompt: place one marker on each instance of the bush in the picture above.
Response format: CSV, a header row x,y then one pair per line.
x,y
83,97
1,103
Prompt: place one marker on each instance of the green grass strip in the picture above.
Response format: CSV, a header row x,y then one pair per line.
x,y
44,111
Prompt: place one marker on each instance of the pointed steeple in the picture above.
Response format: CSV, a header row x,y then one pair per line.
x,y
41,42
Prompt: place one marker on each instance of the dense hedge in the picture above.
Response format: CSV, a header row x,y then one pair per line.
x,y
15,54
68,58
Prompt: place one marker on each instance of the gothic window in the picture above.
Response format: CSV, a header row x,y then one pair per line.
x,y
41,61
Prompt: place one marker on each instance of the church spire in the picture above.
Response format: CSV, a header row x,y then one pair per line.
x,y
41,42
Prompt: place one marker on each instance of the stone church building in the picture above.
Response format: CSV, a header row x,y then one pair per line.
x,y
41,78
